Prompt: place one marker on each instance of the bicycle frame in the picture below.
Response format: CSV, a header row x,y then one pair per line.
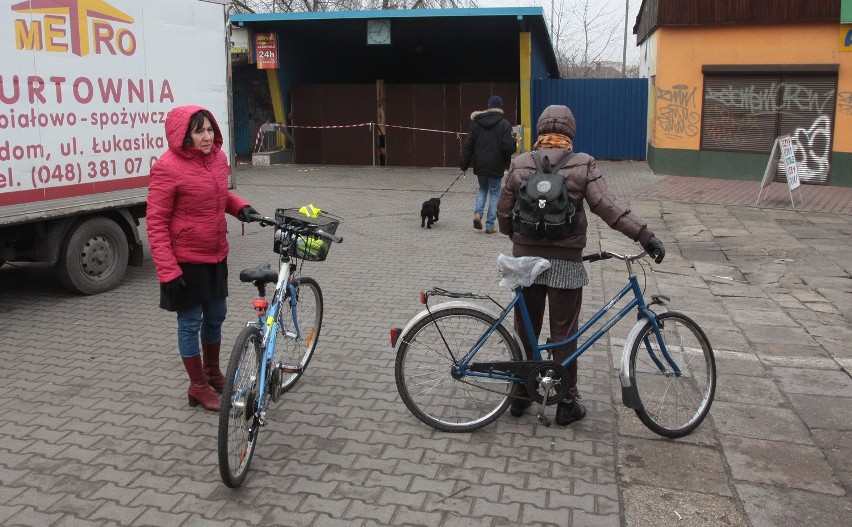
x,y
637,302
267,322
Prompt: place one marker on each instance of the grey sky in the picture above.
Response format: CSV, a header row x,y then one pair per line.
x,y
614,20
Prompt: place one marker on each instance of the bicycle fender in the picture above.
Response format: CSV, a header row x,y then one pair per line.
x,y
629,395
454,304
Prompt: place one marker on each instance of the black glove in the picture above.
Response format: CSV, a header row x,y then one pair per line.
x,y
655,249
172,288
246,214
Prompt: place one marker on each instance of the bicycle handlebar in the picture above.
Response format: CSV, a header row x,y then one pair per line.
x,y
264,221
606,255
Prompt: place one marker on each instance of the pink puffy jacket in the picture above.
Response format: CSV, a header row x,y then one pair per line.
x,y
188,197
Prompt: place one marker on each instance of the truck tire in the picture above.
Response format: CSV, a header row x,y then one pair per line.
x,y
93,257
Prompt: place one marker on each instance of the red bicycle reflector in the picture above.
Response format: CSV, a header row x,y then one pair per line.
x,y
422,297
260,305
394,335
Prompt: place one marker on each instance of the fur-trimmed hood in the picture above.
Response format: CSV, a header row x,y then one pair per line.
x,y
487,118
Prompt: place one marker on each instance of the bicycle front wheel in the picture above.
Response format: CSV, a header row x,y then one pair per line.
x,y
673,405
293,350
424,379
238,423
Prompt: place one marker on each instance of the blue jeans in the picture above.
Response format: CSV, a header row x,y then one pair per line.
x,y
489,187
205,319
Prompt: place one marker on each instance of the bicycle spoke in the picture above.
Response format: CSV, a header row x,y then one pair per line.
x,y
424,363
671,404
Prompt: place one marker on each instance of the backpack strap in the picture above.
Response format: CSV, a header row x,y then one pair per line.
x,y
562,163
537,161
551,169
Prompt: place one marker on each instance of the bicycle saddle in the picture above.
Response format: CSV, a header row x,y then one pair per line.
x,y
262,273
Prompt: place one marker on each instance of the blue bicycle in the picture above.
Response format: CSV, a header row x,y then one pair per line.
x,y
273,350
459,363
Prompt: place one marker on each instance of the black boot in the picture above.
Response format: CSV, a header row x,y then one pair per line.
x,y
567,413
519,406
520,402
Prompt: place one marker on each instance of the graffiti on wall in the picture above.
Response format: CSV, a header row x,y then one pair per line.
x,y
844,102
764,99
676,113
727,128
812,148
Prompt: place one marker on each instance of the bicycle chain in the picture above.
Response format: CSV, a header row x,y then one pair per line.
x,y
494,391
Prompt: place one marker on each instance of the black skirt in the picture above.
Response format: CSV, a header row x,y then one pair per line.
x,y
204,282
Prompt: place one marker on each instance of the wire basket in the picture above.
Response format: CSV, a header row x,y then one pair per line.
x,y
326,221
311,248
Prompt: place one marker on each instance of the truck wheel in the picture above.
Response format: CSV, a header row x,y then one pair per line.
x,y
93,257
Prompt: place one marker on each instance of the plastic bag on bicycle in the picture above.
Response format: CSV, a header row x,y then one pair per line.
x,y
520,270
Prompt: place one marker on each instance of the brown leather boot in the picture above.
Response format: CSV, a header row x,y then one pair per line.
x,y
211,366
199,391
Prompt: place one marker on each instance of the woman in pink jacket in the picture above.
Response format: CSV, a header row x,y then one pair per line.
x,y
188,197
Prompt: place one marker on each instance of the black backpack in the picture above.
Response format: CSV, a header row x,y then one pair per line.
x,y
543,208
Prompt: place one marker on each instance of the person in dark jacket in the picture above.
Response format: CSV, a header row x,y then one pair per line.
x,y
489,145
562,284
188,198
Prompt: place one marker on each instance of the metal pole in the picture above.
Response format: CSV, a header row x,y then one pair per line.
x,y
624,52
551,18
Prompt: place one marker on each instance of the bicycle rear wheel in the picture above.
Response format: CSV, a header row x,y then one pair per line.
x,y
424,379
295,353
238,425
673,405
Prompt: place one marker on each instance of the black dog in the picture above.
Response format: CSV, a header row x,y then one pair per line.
x,y
429,212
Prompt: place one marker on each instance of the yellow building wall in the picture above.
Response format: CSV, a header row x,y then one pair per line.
x,y
677,82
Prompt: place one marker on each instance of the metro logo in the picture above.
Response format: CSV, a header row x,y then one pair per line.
x,y
66,24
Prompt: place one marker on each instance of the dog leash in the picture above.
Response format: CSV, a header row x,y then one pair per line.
x,y
451,185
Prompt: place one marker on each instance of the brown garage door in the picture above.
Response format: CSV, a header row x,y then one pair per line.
x,y
425,123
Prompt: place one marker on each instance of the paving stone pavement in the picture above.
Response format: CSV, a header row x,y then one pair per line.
x,y
95,429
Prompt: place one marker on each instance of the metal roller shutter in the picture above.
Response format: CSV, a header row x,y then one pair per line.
x,y
740,113
745,113
807,114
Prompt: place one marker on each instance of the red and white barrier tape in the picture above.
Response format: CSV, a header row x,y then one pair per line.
x,y
458,135
334,126
260,133
426,130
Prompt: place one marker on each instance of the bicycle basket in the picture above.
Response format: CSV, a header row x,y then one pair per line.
x,y
311,248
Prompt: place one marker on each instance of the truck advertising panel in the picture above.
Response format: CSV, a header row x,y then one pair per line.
x,y
84,90
85,86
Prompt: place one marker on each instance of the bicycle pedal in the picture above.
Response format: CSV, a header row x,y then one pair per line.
x,y
542,419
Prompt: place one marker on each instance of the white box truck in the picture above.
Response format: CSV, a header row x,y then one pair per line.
x,y
84,90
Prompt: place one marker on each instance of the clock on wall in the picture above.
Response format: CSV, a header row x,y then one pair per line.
x,y
378,31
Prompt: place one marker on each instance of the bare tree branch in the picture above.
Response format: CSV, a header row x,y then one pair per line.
x,y
293,6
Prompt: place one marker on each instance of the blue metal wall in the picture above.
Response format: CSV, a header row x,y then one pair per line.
x,y
611,113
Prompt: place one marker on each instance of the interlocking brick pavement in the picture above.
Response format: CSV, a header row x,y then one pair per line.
x,y
95,428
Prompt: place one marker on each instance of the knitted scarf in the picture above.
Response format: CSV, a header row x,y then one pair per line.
x,y
554,141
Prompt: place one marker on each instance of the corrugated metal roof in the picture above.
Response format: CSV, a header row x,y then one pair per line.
x,y
390,13
466,26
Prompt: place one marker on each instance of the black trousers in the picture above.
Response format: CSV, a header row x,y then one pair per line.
x,y
564,319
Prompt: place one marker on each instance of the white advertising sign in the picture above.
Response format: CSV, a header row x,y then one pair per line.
x,y
84,92
789,162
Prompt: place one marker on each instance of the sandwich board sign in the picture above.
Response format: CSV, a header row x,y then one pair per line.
x,y
782,152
